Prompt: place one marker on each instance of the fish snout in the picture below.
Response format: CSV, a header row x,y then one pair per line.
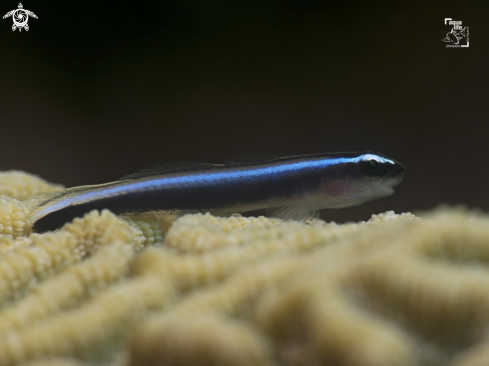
x,y
396,170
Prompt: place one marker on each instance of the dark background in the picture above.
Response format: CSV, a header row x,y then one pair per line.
x,y
98,89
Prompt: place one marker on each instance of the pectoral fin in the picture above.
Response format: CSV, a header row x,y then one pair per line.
x,y
294,204
297,212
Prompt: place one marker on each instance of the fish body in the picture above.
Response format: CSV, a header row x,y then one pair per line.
x,y
293,187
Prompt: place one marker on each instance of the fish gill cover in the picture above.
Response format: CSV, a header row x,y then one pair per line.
x,y
205,290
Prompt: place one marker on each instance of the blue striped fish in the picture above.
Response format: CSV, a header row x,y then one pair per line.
x,y
293,187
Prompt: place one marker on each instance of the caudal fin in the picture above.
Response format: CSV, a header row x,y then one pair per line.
x,y
50,211
56,219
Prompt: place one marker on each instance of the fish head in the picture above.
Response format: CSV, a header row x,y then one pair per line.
x,y
362,178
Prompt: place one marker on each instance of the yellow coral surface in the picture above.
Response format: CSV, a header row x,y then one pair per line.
x,y
205,290
17,184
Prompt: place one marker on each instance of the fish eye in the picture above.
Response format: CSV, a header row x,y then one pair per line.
x,y
373,165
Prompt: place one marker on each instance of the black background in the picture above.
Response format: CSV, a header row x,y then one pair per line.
x,y
98,89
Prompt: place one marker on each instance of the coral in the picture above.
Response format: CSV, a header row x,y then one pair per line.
x,y
89,320
14,218
23,267
209,341
69,288
83,309
202,233
92,331
55,362
17,184
38,257
153,229
204,290
98,229
395,291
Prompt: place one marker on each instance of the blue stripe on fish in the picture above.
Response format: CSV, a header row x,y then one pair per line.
x,y
294,187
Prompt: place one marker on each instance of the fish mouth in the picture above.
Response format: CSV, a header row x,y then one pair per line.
x,y
386,186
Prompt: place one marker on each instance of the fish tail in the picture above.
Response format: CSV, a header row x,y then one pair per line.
x,y
43,206
56,219
36,202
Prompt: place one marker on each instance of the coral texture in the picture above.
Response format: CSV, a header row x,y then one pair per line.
x,y
14,220
203,290
17,184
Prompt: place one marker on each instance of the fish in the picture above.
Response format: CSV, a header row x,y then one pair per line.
x,y
454,37
293,187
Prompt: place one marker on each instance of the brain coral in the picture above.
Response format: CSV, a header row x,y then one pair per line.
x,y
17,184
205,290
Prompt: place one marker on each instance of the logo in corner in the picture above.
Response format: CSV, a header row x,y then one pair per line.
x,y
458,36
20,17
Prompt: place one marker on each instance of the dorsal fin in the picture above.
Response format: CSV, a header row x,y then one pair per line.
x,y
250,158
183,166
168,167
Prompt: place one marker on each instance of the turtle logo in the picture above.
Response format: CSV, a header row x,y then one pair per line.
x,y
20,17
